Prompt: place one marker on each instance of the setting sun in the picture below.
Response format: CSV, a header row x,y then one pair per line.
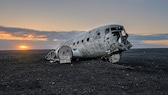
x,y
23,47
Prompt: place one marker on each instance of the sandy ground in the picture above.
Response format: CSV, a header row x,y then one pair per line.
x,y
140,71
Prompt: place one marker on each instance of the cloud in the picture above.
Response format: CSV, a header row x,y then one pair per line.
x,y
32,37
155,42
7,33
11,37
149,37
149,41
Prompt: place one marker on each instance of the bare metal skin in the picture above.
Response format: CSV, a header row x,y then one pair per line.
x,y
105,42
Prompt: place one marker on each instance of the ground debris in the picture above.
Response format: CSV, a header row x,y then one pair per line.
x,y
136,73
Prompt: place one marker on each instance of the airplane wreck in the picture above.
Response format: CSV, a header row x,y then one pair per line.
x,y
105,42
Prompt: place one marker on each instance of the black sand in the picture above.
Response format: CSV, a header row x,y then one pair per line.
x,y
140,71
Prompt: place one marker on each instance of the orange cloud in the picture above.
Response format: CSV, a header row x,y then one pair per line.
x,y
155,42
30,37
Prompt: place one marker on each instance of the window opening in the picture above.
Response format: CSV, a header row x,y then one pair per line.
x,y
98,33
114,29
107,31
87,39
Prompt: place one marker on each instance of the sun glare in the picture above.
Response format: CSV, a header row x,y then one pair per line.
x,y
23,47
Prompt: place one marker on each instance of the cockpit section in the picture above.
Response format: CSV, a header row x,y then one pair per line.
x,y
120,31
117,32
118,36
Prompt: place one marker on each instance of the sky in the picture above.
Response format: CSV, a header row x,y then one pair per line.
x,y
141,18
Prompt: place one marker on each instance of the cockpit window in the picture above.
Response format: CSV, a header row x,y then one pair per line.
x,y
113,29
116,34
116,28
120,28
123,33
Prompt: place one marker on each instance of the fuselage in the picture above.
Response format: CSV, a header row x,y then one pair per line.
x,y
106,42
100,41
